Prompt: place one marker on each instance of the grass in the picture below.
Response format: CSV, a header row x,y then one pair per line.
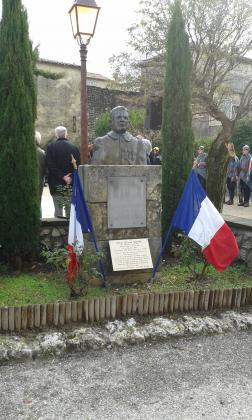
x,y
41,288
31,289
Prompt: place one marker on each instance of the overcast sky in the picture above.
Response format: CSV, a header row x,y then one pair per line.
x,y
50,27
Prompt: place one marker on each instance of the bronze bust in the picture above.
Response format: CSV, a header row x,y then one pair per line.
x,y
119,147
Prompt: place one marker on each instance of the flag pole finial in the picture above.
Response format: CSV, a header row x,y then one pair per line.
x,y
74,162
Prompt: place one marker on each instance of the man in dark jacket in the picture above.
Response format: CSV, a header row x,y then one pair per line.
x,y
60,168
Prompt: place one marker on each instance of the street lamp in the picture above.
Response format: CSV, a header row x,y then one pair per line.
x,y
84,14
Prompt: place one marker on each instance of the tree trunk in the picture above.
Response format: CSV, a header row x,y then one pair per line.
x,y
217,166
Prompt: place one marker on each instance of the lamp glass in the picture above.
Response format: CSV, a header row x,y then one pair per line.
x,y
73,18
86,21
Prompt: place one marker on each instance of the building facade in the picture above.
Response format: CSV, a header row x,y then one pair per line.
x,y
59,100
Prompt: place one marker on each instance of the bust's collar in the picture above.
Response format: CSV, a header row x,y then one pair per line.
x,y
117,136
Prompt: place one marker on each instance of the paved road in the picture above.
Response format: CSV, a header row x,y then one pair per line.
x,y
199,378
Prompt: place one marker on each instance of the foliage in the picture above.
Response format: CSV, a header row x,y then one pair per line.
x,y
202,141
242,135
88,263
177,137
189,255
102,124
219,33
136,121
58,257
136,118
48,74
19,204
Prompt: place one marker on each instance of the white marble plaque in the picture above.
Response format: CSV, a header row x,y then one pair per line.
x,y
130,254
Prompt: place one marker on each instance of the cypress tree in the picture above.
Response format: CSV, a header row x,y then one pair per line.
x,y
19,199
177,137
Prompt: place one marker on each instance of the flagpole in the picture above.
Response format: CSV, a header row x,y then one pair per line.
x,y
99,260
167,235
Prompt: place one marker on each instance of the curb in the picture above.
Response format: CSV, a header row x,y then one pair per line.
x,y
29,317
117,334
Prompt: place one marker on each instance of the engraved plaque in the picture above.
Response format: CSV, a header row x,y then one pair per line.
x,y
130,254
126,202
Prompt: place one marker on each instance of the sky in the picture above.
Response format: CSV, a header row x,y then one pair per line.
x,y
49,26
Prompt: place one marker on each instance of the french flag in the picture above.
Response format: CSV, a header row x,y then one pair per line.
x,y
80,221
200,220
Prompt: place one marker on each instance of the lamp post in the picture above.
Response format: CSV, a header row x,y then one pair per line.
x,y
83,15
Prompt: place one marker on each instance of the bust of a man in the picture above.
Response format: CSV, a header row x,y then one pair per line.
x,y
119,147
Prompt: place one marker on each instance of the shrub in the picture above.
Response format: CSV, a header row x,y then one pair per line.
x,y
58,257
102,125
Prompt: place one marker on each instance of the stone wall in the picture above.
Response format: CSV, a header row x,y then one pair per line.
x,y
59,102
54,233
243,233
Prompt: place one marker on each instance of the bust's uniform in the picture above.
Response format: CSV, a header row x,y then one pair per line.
x,y
118,149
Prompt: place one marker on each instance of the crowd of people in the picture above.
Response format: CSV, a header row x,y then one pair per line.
x,y
239,173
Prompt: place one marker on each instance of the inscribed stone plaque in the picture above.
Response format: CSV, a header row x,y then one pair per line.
x,y
126,202
130,254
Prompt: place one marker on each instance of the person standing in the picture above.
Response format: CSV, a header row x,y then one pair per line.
x,y
147,145
155,157
232,173
60,168
244,166
41,157
200,166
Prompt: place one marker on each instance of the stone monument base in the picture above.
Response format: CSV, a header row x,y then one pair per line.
x,y
125,203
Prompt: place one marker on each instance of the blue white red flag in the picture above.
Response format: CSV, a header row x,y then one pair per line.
x,y
200,220
80,221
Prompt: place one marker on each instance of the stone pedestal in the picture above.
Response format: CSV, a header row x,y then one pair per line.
x,y
137,184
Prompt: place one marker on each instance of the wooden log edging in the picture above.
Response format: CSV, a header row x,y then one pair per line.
x,y
30,317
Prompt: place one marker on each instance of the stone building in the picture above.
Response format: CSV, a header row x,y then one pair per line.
x,y
203,124
59,100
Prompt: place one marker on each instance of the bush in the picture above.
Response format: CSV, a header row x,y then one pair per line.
x,y
202,141
189,254
87,261
136,118
102,125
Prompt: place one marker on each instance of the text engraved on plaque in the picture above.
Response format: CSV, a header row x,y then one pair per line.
x,y
130,254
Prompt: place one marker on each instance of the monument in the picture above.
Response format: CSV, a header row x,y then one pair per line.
x,y
124,198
